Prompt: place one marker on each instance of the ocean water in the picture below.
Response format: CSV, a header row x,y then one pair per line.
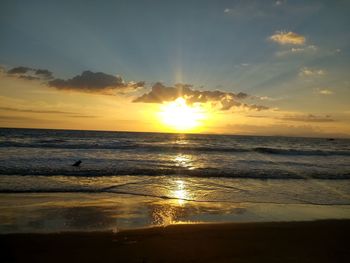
x,y
138,179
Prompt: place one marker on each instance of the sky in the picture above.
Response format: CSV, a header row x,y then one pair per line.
x,y
278,67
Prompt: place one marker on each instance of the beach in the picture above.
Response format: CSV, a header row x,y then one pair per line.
x,y
174,131
152,197
314,241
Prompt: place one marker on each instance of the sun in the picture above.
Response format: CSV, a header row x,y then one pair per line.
x,y
179,116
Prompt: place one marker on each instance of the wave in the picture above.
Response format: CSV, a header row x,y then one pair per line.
x,y
199,172
300,152
62,144
107,190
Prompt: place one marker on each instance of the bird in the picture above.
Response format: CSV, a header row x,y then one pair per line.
x,y
77,163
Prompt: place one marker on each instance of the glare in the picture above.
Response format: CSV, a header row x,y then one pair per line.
x,y
184,161
180,193
180,116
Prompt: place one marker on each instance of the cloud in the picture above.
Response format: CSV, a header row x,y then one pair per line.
x,y
66,113
16,118
35,111
297,117
19,70
95,82
247,10
28,77
280,2
281,129
87,81
265,98
298,50
30,73
83,116
309,72
252,9
226,100
307,118
2,69
287,38
324,91
44,73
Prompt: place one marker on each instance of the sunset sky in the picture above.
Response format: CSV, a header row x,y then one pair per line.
x,y
239,67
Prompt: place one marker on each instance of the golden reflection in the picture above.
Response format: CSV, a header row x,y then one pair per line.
x,y
180,193
185,161
173,210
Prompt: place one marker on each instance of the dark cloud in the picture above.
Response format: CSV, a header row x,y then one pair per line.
x,y
28,77
88,81
307,118
29,73
227,100
95,82
44,73
18,70
106,84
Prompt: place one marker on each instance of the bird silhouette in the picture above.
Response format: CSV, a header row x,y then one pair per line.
x,y
77,163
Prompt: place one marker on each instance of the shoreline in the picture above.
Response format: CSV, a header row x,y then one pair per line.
x,y
307,241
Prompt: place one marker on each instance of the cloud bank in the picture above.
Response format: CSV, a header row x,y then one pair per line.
x,y
106,84
226,100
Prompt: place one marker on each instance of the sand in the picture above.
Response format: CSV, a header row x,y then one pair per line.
x,y
318,241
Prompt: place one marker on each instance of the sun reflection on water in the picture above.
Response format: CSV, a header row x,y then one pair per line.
x,y
172,211
184,161
181,194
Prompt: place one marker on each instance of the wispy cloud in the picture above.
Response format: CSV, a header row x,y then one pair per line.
x,y
247,10
310,49
287,38
35,111
297,117
252,9
280,2
83,116
226,100
309,72
68,114
306,118
324,91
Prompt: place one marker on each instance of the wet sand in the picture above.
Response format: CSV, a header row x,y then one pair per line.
x,y
317,241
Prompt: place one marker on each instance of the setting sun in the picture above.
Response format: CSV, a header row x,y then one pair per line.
x,y
180,116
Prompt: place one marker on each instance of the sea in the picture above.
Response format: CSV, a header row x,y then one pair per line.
x,y
131,179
